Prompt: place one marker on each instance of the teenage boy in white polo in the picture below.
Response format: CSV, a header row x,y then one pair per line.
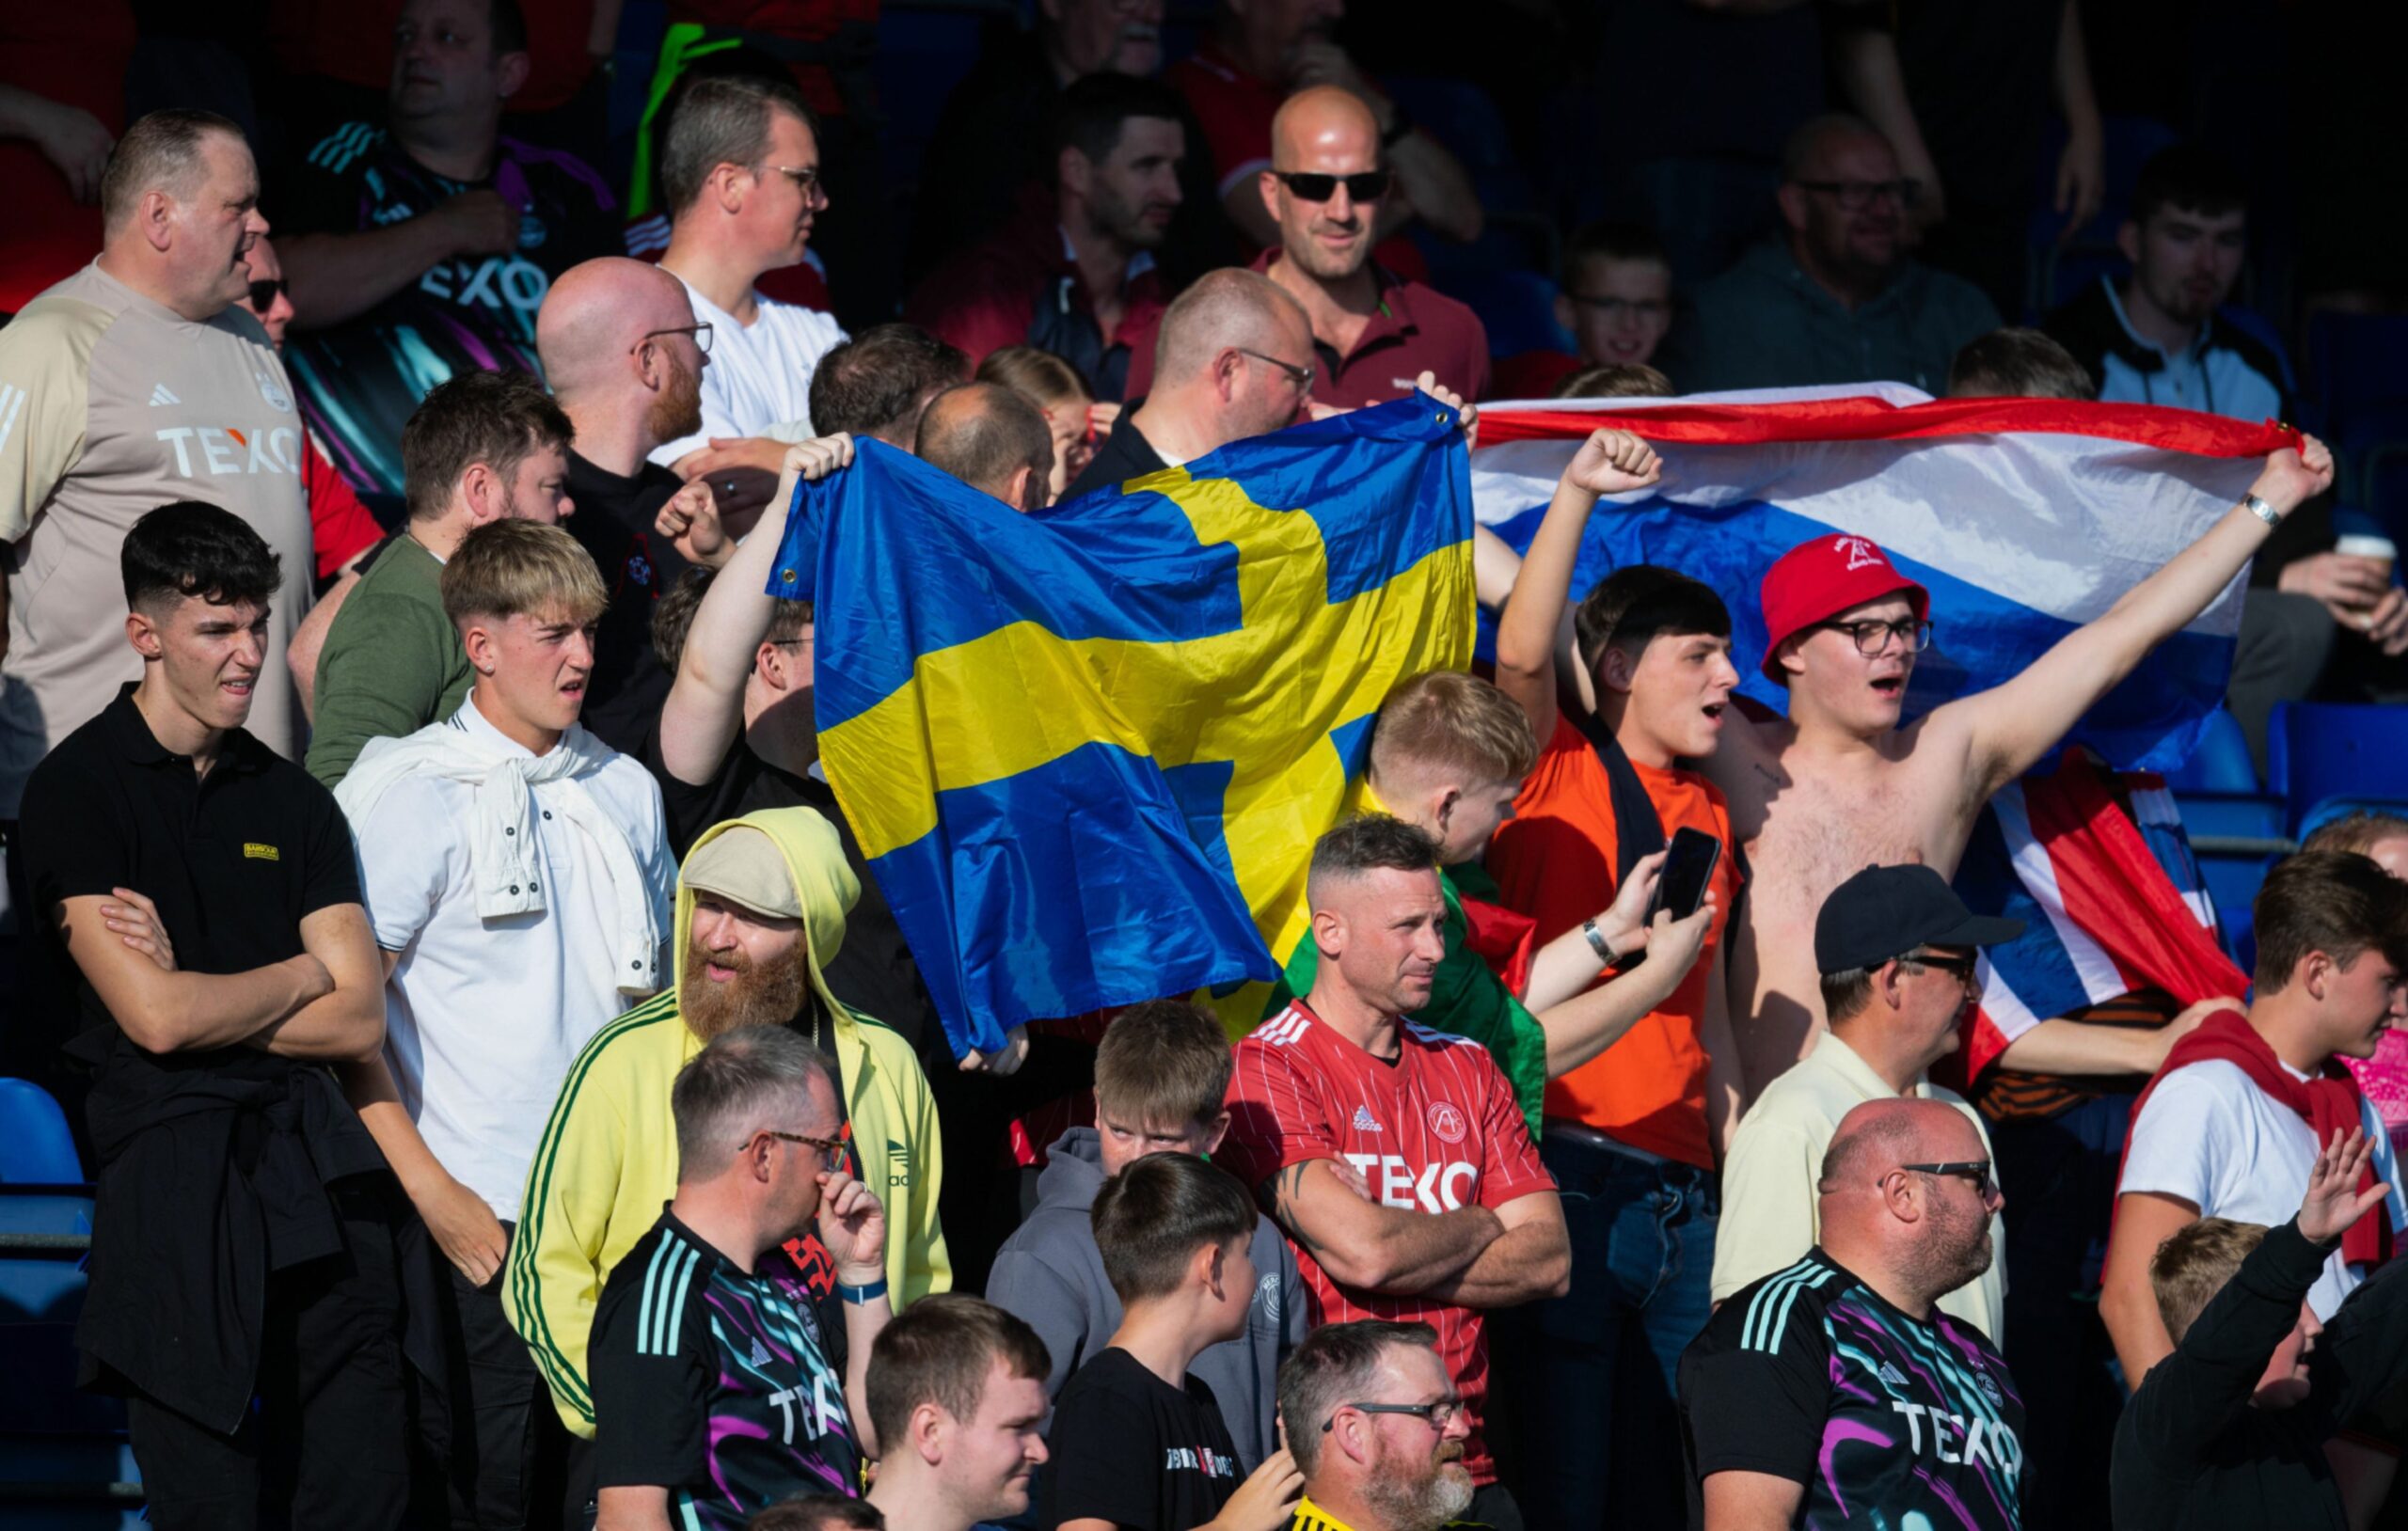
x,y
517,877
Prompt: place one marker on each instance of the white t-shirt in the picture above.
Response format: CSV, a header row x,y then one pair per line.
x,y
760,377
482,1018
2211,1137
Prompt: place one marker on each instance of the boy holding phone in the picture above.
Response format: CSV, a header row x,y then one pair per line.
x,y
1448,754
1634,1136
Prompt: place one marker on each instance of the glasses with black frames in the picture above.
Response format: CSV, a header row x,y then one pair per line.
x,y
1975,1170
1313,186
1872,637
1438,1415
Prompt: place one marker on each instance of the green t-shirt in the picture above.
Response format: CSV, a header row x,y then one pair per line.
x,y
1465,1000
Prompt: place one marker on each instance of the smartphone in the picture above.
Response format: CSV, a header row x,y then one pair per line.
x,y
1688,868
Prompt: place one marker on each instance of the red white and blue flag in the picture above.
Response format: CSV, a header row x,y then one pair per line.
x,y
2110,904
2023,518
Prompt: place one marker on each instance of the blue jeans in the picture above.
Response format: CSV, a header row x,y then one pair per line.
x,y
1595,1368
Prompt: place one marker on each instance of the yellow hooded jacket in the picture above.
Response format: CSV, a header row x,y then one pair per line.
x,y
607,1162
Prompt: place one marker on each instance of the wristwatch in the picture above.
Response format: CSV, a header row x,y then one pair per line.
x,y
2263,511
1597,941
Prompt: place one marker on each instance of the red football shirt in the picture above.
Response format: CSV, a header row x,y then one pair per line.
x,y
1433,1131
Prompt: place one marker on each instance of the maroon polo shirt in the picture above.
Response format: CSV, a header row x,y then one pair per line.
x,y
1416,329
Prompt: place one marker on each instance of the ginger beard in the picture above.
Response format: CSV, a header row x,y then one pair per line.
x,y
760,994
678,412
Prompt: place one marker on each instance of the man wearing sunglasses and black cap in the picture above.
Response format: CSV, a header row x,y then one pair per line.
x,y
1897,949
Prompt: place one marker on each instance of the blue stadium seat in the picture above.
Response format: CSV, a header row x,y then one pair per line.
x,y
2316,751
51,1434
1518,308
2384,480
35,1146
2334,808
2357,377
922,53
2219,762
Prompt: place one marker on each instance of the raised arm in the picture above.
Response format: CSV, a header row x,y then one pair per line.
x,y
2011,727
1608,463
160,1007
2186,1401
705,704
1590,1022
1372,1247
1533,1259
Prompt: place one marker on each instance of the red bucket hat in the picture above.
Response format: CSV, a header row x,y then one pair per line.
x,y
1817,580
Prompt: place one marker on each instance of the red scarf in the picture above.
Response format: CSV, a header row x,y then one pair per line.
x,y
2328,1103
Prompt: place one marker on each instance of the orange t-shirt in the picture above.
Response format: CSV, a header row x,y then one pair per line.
x,y
1554,861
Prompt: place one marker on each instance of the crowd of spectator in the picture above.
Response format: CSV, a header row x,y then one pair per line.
x,y
514,1102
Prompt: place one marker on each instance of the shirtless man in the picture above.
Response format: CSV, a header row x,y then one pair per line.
x,y
1838,786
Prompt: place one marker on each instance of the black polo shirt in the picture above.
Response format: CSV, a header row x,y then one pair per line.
x,y
215,1163
1125,454
233,860
614,522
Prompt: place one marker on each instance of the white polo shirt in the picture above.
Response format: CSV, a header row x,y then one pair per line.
x,y
482,1018
760,376
1770,1213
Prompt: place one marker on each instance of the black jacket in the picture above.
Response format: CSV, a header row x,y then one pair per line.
x,y
2192,1453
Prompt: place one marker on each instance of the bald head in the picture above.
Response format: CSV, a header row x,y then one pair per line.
x,y
1819,142
1919,1235
1322,120
1228,309
1879,1135
598,313
991,440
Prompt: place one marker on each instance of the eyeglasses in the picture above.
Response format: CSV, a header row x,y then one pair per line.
x,y
1312,187
1649,309
1872,638
1438,1415
1963,966
831,1152
702,334
1856,195
1975,1170
805,181
1301,376
263,292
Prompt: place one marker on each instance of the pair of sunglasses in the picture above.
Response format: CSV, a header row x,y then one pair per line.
x,y
263,293
1312,186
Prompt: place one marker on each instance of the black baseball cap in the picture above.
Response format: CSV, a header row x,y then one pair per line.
x,y
1887,911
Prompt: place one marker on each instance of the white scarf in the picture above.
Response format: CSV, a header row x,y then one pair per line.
x,y
502,836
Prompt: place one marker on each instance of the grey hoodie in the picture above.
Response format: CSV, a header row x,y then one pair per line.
x,y
1049,1273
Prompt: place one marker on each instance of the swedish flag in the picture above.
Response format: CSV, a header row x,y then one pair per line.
x,y
1086,752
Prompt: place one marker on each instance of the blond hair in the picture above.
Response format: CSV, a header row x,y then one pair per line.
x,y
1036,375
2192,1266
1450,723
510,567
2360,831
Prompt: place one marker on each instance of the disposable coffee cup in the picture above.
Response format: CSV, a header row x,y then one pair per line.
x,y
2361,546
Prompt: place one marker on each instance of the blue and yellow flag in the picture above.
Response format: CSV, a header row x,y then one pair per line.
x,y
1086,752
